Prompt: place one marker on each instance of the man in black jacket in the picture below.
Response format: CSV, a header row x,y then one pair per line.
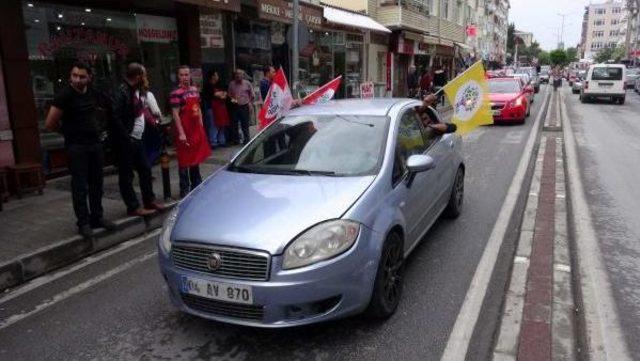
x,y
74,112
127,128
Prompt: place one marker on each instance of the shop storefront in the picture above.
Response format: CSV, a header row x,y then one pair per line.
x,y
107,40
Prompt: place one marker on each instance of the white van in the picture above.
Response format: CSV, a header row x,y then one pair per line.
x,y
605,80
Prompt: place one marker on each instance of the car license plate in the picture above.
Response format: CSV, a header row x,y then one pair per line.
x,y
605,85
221,291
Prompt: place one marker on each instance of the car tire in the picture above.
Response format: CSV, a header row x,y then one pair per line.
x,y
621,100
387,287
456,200
528,112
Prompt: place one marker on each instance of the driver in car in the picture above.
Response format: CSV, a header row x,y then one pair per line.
x,y
429,117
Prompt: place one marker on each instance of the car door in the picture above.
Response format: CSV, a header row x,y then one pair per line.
x,y
419,197
440,147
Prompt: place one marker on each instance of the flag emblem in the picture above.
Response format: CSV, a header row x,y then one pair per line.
x,y
469,96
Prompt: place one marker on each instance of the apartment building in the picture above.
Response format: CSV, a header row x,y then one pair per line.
x,y
604,26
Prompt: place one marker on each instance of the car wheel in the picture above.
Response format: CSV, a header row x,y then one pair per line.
x,y
456,200
387,288
528,111
621,100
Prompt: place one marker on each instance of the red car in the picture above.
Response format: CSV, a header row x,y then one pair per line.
x,y
509,100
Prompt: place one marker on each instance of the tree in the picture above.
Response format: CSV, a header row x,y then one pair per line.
x,y
558,57
543,58
611,54
511,29
572,55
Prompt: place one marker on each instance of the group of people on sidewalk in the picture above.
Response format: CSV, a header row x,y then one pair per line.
x,y
421,83
131,116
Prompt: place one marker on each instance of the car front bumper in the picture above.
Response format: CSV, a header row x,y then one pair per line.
x,y
328,290
510,115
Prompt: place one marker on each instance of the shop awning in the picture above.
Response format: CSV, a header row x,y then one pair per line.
x,y
464,46
348,18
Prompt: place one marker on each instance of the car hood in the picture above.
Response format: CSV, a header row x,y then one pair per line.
x,y
502,98
261,211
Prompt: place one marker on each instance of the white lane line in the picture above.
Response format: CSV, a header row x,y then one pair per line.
x,y
75,290
458,342
48,278
605,338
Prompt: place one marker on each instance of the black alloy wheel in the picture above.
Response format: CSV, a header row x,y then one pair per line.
x,y
387,289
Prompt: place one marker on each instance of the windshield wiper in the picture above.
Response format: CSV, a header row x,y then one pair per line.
x,y
311,172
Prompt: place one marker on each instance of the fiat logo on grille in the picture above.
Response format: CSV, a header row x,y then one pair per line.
x,y
214,262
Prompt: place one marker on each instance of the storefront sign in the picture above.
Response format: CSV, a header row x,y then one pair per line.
x,y
73,37
280,10
405,46
228,5
367,90
211,31
156,29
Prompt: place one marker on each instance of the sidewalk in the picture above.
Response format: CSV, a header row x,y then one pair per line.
x,y
539,313
39,234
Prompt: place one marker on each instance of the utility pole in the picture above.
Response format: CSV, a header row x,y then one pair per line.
x,y
295,52
561,42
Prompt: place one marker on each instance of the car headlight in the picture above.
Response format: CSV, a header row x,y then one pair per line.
x,y
167,228
323,241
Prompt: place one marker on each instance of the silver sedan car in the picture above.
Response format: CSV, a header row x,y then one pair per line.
x,y
313,219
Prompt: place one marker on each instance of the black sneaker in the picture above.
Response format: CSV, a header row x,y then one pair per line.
x,y
103,223
85,231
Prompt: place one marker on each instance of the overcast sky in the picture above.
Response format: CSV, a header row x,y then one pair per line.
x,y
540,17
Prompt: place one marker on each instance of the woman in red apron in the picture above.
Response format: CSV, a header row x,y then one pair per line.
x,y
192,146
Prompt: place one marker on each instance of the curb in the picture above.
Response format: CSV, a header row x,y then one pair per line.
x,y
64,252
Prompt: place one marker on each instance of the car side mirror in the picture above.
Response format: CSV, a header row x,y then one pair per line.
x,y
418,163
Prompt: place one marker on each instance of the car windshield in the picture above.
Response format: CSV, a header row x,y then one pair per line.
x,y
330,145
606,73
503,87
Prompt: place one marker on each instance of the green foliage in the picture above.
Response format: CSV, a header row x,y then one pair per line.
x,y
558,57
544,58
572,54
611,54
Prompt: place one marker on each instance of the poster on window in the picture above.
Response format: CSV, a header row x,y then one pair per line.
x,y
156,29
211,31
367,90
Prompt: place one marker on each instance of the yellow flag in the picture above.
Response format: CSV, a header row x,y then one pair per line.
x,y
469,96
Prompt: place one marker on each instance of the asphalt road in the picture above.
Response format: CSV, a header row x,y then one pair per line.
x,y
608,141
116,308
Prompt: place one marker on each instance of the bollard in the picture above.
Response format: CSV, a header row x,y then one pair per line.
x,y
166,180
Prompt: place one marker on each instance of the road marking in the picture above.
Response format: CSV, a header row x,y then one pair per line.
x,y
48,278
521,259
75,290
605,339
460,336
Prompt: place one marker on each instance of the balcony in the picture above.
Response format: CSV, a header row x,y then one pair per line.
x,y
407,14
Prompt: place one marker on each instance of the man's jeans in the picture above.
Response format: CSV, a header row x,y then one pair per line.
x,y
215,134
131,156
241,116
85,164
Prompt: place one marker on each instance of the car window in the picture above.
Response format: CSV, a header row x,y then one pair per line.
x,y
410,140
606,73
504,86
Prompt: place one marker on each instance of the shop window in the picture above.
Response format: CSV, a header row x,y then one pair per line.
x,y
59,35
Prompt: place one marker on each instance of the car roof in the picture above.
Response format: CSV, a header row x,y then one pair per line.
x,y
374,107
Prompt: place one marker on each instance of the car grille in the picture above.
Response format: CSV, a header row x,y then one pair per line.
x,y
497,106
236,263
226,309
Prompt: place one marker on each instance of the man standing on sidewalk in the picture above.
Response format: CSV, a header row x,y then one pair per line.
x,y
265,83
241,93
127,128
74,112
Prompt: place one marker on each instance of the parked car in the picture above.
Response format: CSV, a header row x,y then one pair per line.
x,y
632,75
526,86
534,77
545,72
314,218
604,80
509,100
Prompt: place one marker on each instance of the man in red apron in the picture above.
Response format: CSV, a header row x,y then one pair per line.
x,y
191,142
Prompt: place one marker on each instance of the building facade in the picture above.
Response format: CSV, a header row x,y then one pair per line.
x,y
605,26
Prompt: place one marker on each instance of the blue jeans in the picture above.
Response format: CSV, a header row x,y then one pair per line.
x,y
210,127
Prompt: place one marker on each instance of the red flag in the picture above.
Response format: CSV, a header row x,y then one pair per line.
x,y
324,93
278,100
